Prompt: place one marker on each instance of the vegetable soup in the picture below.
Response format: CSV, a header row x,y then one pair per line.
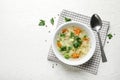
x,y
73,42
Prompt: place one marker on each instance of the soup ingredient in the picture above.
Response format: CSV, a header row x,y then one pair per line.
x,y
64,30
59,44
62,35
75,55
66,56
67,19
41,23
68,50
72,35
110,36
77,43
85,38
77,38
63,48
77,31
52,21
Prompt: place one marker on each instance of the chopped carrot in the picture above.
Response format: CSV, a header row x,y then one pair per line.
x,y
59,44
75,55
64,30
77,31
86,39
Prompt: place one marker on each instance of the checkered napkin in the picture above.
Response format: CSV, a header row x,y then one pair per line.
x,y
92,65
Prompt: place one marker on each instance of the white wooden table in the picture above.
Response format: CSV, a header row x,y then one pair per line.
x,y
24,45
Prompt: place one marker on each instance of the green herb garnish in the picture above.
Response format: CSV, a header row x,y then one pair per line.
x,y
77,38
63,48
66,56
85,36
71,35
41,23
77,43
68,49
110,36
62,35
67,19
52,21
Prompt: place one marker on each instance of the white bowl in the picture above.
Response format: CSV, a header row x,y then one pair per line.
x,y
87,56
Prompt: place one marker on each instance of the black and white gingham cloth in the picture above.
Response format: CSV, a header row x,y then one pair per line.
x,y
92,65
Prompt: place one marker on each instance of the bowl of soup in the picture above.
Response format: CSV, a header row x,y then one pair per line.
x,y
73,43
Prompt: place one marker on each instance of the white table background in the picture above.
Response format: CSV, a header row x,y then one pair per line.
x,y
23,50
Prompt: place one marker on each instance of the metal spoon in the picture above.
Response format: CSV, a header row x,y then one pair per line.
x,y
96,24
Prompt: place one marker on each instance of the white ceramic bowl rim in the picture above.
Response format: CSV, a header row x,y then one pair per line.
x,y
92,44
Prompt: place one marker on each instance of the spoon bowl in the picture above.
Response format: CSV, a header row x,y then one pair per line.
x,y
96,22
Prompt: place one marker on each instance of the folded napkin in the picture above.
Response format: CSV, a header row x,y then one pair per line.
x,y
92,65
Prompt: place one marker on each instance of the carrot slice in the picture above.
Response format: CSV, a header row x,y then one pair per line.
x,y
86,39
77,31
75,55
59,44
64,30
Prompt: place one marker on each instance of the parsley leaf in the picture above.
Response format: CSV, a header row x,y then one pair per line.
x,y
52,21
66,56
67,19
85,36
110,36
41,23
77,42
72,35
62,35
63,48
68,49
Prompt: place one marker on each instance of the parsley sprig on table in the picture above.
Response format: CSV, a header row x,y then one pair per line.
x,y
52,21
42,22
110,36
67,19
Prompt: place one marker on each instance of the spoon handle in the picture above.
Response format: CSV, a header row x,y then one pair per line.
x,y
104,59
